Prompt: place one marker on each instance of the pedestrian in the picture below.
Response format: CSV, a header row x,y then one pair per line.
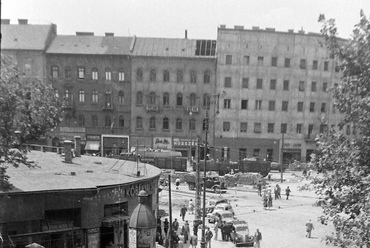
x,y
232,231
309,228
194,241
177,181
185,230
278,191
175,225
287,192
258,238
269,201
209,236
181,242
217,224
222,227
166,225
259,188
183,212
174,239
227,230
196,227
264,201
191,206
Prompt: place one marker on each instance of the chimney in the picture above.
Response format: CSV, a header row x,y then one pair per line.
x,y
68,151
78,146
255,28
5,21
239,27
85,33
109,34
222,26
22,21
186,34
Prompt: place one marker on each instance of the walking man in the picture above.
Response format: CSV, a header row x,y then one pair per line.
x,y
183,212
185,231
209,236
175,225
258,238
217,224
177,181
166,225
259,188
194,241
287,192
309,228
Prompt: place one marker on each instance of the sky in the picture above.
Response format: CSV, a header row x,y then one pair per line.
x,y
170,18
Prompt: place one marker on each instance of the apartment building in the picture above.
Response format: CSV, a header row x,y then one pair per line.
x,y
276,93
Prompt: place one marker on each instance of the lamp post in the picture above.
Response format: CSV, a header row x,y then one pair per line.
x,y
281,156
190,156
203,241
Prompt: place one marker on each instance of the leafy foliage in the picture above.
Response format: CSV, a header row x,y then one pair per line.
x,y
28,110
344,162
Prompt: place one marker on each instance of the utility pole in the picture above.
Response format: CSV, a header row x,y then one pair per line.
x,y
198,187
203,241
170,211
281,156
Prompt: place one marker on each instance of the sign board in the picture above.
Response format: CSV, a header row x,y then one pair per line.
x,y
178,142
162,143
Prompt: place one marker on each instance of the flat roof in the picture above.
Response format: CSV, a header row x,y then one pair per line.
x,y
50,173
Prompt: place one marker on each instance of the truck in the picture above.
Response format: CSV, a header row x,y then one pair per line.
x,y
212,182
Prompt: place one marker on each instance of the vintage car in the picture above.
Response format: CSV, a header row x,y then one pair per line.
x,y
222,215
241,236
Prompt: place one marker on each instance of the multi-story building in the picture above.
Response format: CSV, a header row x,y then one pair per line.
x,y
172,84
276,85
92,74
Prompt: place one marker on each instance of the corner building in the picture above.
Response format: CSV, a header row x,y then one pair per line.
x,y
276,84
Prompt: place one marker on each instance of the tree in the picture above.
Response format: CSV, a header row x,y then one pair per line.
x,y
344,163
28,110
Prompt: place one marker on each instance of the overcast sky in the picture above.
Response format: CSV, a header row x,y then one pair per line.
x,y
170,18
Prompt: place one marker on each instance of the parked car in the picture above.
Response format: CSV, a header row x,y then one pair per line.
x,y
241,236
224,207
213,203
221,215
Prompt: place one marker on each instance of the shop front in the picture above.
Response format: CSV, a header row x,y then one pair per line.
x,y
92,145
164,143
114,145
186,146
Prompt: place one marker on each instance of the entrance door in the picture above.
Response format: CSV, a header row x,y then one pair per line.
x,y
106,235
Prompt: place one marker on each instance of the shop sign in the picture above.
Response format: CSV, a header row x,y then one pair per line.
x,y
93,137
162,143
133,190
177,142
292,145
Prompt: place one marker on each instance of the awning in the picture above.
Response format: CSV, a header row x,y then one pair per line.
x,y
114,220
92,145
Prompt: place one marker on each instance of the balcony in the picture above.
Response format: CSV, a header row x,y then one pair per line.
x,y
107,106
153,108
192,109
68,104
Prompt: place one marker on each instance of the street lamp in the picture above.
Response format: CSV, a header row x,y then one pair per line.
x,y
190,157
203,241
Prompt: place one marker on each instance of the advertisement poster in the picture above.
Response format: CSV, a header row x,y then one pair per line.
x,y
132,238
164,143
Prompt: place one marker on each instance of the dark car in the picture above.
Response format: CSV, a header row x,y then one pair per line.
x,y
241,236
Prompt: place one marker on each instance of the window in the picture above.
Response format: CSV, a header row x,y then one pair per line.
x,y
227,82
166,76
139,122
81,96
314,65
313,86
108,99
207,77
165,124
153,75
270,127
259,83
271,105
260,61
287,63
206,101
179,99
54,71
245,83
139,98
354,129
108,74
256,153
283,128
257,127
310,129
302,64
81,72
139,75
227,103
326,66
274,61
301,86
192,124
81,121
193,76
94,74
244,104
300,107
284,106
258,105
121,75
243,127
269,154
94,120
152,98
225,153
179,76
226,126
193,99
166,99
178,124
152,123
56,93
108,121
299,128
312,107
246,60
68,72
336,68
273,84
323,107
286,85
229,59
68,120
121,121
121,97
242,153
324,86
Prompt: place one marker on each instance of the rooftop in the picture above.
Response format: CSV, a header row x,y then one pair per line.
x,y
51,173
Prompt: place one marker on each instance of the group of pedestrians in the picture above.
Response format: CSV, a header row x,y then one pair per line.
x,y
266,193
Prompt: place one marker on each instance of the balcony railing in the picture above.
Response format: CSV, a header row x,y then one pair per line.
x,y
107,106
153,108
